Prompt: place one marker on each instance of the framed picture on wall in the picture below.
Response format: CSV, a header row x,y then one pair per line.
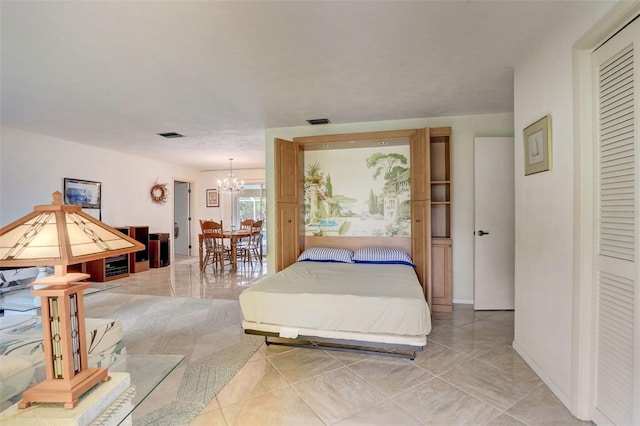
x,y
537,146
213,199
85,193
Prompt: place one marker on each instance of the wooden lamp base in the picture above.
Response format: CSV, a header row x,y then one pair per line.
x,y
68,375
61,391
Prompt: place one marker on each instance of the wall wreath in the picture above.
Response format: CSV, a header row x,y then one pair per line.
x,y
159,193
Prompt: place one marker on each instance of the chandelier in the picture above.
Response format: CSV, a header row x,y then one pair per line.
x,y
230,184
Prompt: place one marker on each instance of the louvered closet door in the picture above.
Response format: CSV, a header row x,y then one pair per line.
x,y
617,392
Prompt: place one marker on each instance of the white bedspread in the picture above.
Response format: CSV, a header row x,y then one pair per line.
x,y
361,298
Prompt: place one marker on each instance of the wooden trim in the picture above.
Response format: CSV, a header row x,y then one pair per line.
x,y
354,243
346,137
439,131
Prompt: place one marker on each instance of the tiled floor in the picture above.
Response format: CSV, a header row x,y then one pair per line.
x,y
468,373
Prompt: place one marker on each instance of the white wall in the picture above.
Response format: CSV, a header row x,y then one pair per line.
x,y
544,205
33,166
464,130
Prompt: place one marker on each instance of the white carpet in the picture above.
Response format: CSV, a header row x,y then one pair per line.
x,y
206,331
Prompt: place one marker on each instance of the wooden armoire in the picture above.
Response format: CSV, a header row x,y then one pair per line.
x,y
431,240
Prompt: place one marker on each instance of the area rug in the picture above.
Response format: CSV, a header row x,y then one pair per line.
x,y
206,331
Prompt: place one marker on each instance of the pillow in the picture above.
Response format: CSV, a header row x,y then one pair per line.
x,y
382,255
326,254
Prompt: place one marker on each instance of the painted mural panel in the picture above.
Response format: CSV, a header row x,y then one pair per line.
x,y
358,192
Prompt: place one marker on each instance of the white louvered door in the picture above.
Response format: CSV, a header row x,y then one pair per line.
x,y
617,340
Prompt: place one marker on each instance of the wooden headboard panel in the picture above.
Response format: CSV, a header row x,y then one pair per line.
x,y
354,243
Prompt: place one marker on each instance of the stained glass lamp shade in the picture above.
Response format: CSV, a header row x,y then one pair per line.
x,y
60,235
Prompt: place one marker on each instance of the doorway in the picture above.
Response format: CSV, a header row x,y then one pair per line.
x,y
494,247
252,204
181,218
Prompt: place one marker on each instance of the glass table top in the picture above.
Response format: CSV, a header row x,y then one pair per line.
x,y
146,373
23,301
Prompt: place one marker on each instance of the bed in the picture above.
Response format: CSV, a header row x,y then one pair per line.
x,y
368,300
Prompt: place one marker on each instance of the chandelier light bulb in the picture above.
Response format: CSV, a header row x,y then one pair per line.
x,y
230,184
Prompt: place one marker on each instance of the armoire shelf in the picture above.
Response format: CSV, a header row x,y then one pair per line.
x,y
441,241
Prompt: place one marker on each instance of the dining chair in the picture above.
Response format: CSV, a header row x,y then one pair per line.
x,y
215,250
246,224
251,249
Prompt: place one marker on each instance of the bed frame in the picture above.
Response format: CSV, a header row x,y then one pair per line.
x,y
346,345
341,345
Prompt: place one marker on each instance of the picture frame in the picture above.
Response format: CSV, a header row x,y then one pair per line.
x,y
85,193
537,146
213,198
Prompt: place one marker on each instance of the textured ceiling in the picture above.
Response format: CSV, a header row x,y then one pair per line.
x,y
114,74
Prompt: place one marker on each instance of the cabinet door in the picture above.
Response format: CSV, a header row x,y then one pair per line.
x,y
420,165
441,275
287,234
421,244
288,171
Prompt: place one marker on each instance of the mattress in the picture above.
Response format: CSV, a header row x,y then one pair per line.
x,y
339,299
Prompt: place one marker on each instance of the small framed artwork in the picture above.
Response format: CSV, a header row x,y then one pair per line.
x,y
212,198
85,193
537,146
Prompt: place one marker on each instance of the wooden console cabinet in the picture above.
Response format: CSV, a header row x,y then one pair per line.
x,y
111,268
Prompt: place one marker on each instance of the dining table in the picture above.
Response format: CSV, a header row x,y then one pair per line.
x,y
233,236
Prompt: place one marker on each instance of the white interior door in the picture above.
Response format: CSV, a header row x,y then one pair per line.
x,y
617,334
181,217
494,224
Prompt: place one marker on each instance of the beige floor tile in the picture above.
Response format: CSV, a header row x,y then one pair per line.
x,y
385,414
505,420
209,418
502,317
254,379
438,359
464,341
438,403
390,375
507,359
272,350
348,358
338,394
489,384
281,407
541,407
439,326
301,364
455,338
490,331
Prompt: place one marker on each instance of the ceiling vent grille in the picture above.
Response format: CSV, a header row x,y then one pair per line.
x,y
170,135
315,121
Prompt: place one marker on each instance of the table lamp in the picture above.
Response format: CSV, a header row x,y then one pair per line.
x,y
59,235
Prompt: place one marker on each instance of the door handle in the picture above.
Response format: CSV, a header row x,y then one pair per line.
x,y
481,233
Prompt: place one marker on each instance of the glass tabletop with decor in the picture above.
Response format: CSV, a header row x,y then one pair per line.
x,y
21,300
135,376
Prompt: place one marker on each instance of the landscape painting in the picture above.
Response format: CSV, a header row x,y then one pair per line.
x,y
358,192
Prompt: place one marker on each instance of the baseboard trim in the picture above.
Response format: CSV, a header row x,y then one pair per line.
x,y
463,301
565,399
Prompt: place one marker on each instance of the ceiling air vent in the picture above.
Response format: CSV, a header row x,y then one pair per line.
x,y
171,135
315,121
